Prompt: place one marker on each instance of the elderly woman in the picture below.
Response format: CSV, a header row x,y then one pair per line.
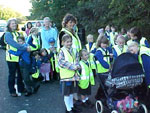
x,y
11,37
48,32
69,27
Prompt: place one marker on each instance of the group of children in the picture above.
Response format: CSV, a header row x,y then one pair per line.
x,y
77,71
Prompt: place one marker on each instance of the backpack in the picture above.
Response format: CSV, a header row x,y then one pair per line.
x,y
2,41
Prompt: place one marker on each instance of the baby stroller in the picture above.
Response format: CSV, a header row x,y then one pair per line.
x,y
118,88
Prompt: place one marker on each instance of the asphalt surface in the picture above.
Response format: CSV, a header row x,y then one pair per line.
x,y
47,100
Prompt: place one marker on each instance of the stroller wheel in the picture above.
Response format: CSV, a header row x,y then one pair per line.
x,y
99,106
142,109
114,111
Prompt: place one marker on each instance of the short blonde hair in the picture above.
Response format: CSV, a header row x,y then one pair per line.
x,y
34,29
133,44
89,36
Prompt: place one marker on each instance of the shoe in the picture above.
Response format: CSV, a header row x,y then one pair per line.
x,y
19,94
70,111
14,95
76,110
36,89
28,94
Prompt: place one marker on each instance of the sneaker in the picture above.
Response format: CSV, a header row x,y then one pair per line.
x,y
19,94
28,94
70,111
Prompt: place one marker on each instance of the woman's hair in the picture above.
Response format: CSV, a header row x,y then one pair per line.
x,y
136,32
30,24
101,39
66,37
34,29
68,17
81,52
8,29
42,50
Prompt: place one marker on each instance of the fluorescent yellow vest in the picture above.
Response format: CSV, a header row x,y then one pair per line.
x,y
36,75
100,68
76,44
86,76
92,48
36,43
143,50
10,57
112,38
142,41
118,50
91,58
66,73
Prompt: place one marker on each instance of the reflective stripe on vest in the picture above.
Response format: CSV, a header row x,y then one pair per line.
x,y
100,68
11,57
119,51
92,61
88,47
66,73
86,76
76,44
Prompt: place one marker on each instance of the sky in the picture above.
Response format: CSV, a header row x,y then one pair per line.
x,y
22,6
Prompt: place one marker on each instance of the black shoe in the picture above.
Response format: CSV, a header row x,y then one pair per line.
x,y
89,103
28,94
85,105
36,89
76,110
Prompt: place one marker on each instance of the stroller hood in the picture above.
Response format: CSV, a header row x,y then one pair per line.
x,y
125,65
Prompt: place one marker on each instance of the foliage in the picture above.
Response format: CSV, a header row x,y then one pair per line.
x,y
6,13
94,14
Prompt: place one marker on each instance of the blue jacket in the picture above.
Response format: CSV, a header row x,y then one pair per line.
x,y
23,54
9,40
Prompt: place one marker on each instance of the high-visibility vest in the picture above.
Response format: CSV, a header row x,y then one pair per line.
x,y
36,75
36,43
86,76
88,47
119,51
100,68
142,41
11,57
66,73
143,50
112,37
54,61
76,44
91,56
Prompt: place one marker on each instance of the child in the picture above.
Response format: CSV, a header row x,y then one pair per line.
x,y
86,80
120,47
113,34
143,55
90,46
136,35
34,40
107,31
45,66
53,60
25,66
102,57
68,63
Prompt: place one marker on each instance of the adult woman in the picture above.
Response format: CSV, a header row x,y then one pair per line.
x,y
11,36
69,27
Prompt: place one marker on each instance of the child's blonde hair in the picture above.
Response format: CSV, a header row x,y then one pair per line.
x,y
120,37
34,29
133,44
89,36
